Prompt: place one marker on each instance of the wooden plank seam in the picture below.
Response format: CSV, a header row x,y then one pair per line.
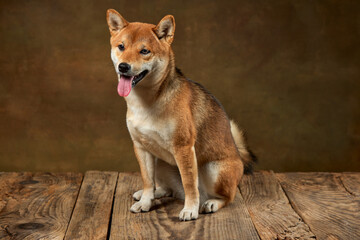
x,y
72,211
293,207
112,209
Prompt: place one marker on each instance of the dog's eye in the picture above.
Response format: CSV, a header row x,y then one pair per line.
x,y
121,47
144,51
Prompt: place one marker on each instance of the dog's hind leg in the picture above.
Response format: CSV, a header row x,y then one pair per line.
x,y
220,179
168,179
168,182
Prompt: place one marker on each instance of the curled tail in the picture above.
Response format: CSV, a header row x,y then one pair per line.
x,y
247,157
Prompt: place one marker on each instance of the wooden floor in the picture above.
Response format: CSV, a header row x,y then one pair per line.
x,y
96,206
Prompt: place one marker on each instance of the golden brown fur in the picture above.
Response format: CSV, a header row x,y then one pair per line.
x,y
183,140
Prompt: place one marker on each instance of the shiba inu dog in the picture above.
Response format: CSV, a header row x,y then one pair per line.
x,y
183,140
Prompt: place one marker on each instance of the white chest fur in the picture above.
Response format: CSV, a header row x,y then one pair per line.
x,y
153,133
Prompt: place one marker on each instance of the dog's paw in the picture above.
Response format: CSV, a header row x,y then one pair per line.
x,y
141,206
189,214
159,193
210,206
137,195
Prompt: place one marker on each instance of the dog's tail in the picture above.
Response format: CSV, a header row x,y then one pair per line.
x,y
247,157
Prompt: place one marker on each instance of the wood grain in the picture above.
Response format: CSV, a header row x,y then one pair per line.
x,y
92,212
270,209
320,199
351,182
37,205
162,222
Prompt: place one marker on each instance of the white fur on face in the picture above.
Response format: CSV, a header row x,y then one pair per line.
x,y
115,60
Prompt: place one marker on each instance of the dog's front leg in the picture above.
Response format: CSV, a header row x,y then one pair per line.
x,y
186,161
147,168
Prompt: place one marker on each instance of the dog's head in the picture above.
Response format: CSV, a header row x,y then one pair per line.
x,y
139,51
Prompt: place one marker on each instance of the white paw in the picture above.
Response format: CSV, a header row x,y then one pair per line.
x,y
137,195
141,206
189,214
210,206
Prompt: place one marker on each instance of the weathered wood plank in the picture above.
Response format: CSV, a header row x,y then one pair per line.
x,y
92,211
323,203
270,209
351,182
232,222
37,205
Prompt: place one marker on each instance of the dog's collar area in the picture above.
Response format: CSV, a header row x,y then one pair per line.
x,y
138,78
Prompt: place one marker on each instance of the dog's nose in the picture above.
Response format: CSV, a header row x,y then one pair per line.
x,y
124,67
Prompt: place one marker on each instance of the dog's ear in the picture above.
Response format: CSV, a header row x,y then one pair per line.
x,y
165,29
115,21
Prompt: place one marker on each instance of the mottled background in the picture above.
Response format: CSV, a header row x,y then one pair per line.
x,y
287,71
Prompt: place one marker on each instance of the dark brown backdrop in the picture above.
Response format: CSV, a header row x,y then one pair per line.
x,y
287,71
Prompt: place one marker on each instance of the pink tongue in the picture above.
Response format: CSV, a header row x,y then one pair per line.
x,y
124,86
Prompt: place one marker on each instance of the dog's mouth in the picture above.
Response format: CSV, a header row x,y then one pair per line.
x,y
126,83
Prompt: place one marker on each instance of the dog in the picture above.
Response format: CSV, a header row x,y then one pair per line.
x,y
183,140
